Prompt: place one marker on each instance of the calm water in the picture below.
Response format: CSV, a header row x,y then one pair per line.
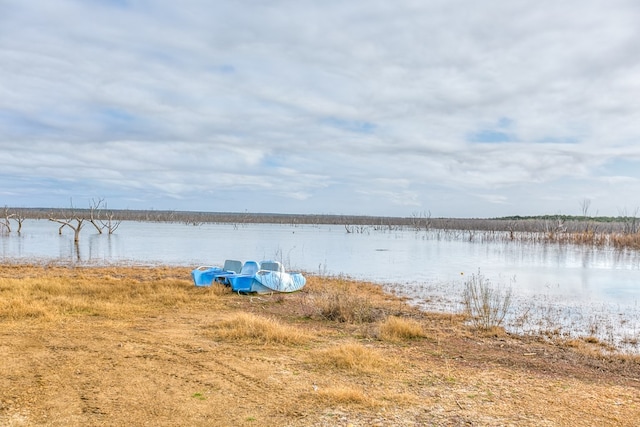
x,y
599,286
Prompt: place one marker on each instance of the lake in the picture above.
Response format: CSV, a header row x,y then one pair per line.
x,y
563,288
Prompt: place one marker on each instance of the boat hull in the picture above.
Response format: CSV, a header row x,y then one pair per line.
x,y
268,282
204,276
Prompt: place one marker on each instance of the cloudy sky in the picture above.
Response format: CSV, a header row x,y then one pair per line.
x,y
459,108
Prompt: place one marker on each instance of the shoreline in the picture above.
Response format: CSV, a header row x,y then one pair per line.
x,y
600,323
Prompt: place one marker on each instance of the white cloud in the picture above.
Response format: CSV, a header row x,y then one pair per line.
x,y
455,107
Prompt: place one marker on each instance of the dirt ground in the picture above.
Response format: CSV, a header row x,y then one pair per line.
x,y
137,357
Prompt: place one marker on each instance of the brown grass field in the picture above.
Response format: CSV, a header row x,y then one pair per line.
x,y
134,346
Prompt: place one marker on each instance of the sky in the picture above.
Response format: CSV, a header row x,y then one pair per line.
x,y
448,108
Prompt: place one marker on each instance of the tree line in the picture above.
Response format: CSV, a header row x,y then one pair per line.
x,y
105,220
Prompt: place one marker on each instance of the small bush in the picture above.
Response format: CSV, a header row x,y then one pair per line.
x,y
485,304
342,301
397,328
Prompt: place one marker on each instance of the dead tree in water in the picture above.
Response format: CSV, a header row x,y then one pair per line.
x,y
75,219
630,223
94,211
111,224
106,219
67,221
12,214
6,223
19,217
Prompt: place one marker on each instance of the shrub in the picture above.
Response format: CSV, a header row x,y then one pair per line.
x,y
485,304
343,301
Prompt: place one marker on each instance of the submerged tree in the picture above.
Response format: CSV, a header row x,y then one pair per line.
x,y
19,217
6,223
94,210
630,222
69,218
75,219
12,214
110,223
104,217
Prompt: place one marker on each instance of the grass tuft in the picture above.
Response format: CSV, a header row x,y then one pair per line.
x,y
246,326
397,329
345,395
351,357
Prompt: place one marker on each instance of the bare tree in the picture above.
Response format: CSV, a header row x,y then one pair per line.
x,y
589,225
630,224
68,218
110,223
584,207
94,213
420,220
6,223
19,216
511,228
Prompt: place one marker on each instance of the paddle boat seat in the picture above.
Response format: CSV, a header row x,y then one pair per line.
x,y
272,266
249,269
232,265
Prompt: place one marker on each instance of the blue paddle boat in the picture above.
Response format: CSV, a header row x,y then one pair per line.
x,y
248,269
270,277
205,275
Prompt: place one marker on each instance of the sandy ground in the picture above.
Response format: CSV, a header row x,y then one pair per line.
x,y
168,365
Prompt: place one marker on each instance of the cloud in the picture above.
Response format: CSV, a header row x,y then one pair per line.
x,y
320,107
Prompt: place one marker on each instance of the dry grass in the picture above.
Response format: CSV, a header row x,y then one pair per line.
x,y
494,331
342,300
350,357
625,241
395,328
345,396
249,327
91,291
589,345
